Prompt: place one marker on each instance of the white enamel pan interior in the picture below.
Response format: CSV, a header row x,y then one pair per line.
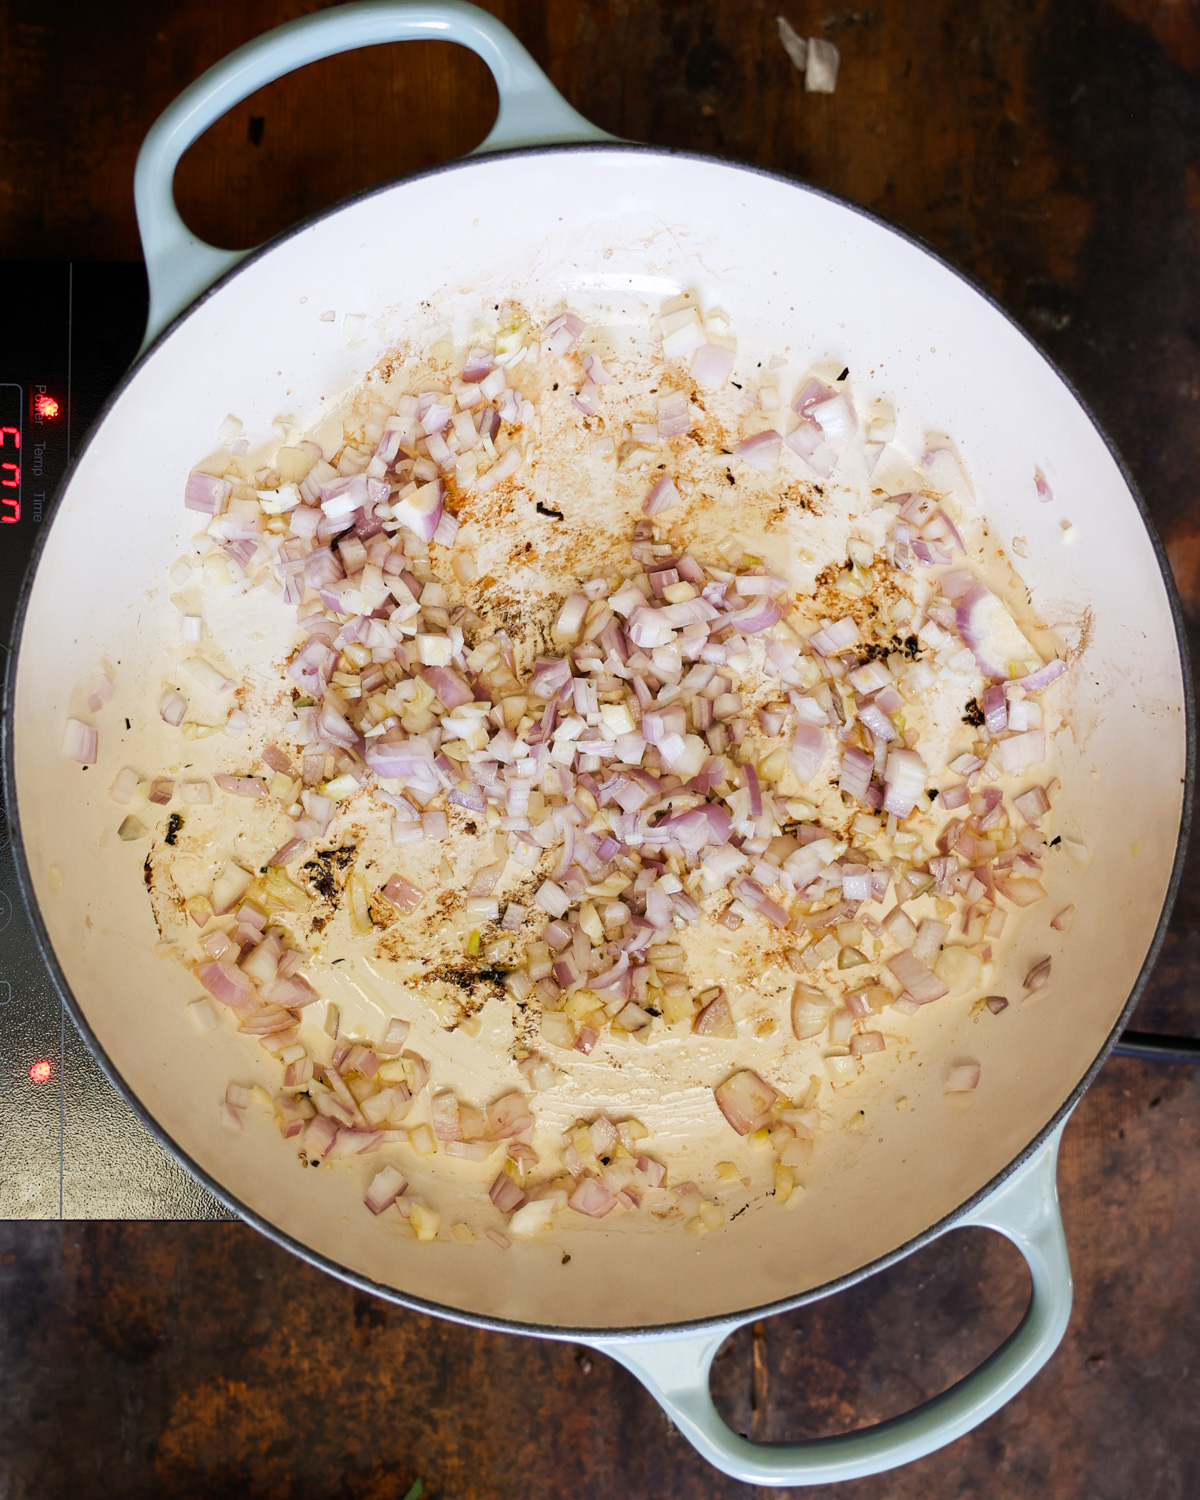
x,y
594,226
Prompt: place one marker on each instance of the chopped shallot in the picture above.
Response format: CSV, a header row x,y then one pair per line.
x,y
81,742
745,1100
1039,975
702,745
962,1079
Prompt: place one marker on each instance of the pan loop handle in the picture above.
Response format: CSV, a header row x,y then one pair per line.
x,y
675,1368
178,264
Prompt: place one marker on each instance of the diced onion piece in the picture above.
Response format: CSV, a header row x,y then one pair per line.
x,y
661,497
856,773
507,466
435,825
225,982
261,964
552,898
100,691
81,742
760,451
319,1137
831,639
1020,751
125,785
716,1019
241,786
505,1193
865,1042
930,936
421,510
674,419
958,968
425,1221
808,750
532,1217
963,1079
570,617
386,1186
596,372
445,533
1044,676
835,418
434,650
745,1100
229,887
1033,805
1000,647
358,902
899,927
479,363
904,778
810,1012
558,1029
632,1017
205,675
712,362
508,1116
202,1017
653,1171
1039,976
920,983
403,894
682,332
238,1095
205,493
592,1198
562,332
1021,890
995,709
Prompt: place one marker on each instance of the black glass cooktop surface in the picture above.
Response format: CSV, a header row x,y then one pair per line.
x,y
70,1147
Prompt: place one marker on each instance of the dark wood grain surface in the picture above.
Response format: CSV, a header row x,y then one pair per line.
x,y
1052,149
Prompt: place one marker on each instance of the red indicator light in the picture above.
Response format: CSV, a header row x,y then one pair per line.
x,y
46,406
41,1071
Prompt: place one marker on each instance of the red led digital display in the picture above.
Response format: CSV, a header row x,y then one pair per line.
x,y
10,474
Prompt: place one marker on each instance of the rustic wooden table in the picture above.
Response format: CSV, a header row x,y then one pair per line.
x,y
1050,148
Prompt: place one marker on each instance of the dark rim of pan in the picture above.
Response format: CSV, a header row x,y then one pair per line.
x,y
513,1325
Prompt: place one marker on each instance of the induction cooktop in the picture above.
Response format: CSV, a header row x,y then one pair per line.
x,y
70,1147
